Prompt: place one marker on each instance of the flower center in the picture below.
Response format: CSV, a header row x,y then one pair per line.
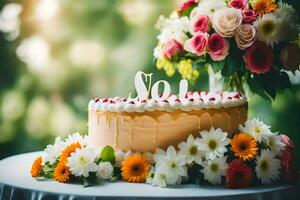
x,y
82,160
264,166
212,144
243,147
257,131
214,167
136,170
193,150
173,165
162,176
268,27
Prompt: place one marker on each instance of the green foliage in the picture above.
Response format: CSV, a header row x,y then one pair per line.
x,y
108,154
267,85
90,180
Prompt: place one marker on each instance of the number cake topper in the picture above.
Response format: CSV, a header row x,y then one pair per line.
x,y
143,91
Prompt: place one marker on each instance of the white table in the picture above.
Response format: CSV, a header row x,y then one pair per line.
x,y
16,183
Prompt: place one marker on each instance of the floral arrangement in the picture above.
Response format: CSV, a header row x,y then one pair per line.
x,y
253,156
247,41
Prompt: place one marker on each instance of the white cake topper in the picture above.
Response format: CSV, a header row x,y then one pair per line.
x,y
143,91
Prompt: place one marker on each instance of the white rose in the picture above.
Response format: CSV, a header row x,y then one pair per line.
x,y
226,20
244,36
105,170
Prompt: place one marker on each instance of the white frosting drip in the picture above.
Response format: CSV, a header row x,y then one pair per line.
x,y
193,101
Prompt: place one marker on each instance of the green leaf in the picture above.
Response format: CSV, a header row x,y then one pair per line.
x,y
229,67
89,181
217,65
257,88
108,154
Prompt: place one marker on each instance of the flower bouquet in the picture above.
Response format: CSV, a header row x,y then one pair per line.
x,y
255,155
249,42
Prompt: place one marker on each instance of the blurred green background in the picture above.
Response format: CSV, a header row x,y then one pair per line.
x,y
58,54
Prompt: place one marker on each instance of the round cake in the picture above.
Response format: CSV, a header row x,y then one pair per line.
x,y
142,126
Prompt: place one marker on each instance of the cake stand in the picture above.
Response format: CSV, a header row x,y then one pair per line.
x,y
17,184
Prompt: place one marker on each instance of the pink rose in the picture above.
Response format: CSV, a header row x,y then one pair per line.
x,y
289,172
202,23
185,6
218,47
197,44
249,16
172,48
238,4
288,143
258,58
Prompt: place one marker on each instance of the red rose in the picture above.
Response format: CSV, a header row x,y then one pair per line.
x,y
218,47
249,16
289,172
239,175
238,4
185,6
172,48
258,58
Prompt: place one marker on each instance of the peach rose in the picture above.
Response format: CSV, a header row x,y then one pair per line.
x,y
289,57
226,20
244,36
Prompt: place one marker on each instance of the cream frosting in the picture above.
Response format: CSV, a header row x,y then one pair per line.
x,y
193,101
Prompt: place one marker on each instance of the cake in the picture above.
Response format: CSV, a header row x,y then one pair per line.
x,y
142,126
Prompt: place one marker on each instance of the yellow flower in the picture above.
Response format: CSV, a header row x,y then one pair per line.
x,y
165,64
264,6
186,70
62,172
37,167
244,146
135,168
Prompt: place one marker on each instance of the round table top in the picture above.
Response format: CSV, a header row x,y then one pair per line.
x,y
15,172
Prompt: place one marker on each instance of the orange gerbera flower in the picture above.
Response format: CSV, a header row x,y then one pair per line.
x,y
37,167
66,153
62,172
135,168
244,146
264,6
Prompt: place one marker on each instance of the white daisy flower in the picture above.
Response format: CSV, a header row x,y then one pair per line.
x,y
190,150
172,165
105,170
174,27
285,12
267,167
268,29
213,170
81,162
207,7
150,176
257,129
76,137
213,143
159,179
275,144
52,152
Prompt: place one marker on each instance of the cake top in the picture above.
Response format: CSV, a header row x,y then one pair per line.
x,y
193,101
166,101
